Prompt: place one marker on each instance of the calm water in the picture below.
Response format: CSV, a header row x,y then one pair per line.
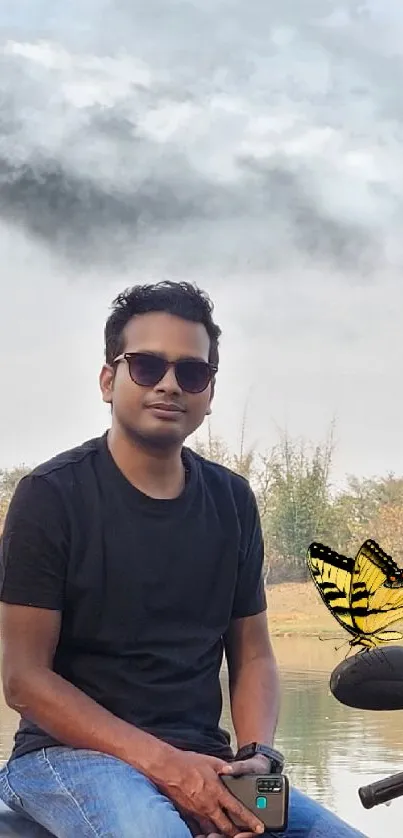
x,y
331,750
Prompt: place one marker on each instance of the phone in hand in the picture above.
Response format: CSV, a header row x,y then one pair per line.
x,y
266,795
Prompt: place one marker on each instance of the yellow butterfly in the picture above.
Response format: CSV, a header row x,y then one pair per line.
x,y
365,594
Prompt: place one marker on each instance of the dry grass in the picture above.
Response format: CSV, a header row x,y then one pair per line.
x,y
296,608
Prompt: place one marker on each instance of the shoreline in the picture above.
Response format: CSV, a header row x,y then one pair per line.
x,y
295,608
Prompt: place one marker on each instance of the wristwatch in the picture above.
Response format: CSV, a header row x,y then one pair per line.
x,y
276,758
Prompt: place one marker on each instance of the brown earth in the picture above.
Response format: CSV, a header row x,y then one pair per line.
x,y
296,608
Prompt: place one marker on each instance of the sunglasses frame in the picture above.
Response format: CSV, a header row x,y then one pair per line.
x,y
126,356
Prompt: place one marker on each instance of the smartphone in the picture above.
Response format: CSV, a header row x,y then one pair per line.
x,y
266,795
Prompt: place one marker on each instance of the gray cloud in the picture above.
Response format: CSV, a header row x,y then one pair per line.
x,y
74,214
264,116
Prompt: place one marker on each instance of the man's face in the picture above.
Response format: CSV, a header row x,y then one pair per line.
x,y
134,407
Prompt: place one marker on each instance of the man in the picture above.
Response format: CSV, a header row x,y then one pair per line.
x,y
128,565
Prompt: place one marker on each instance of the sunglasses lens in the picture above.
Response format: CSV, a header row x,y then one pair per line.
x,y
147,370
193,376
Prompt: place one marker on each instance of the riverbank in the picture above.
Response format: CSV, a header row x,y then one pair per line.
x,y
296,608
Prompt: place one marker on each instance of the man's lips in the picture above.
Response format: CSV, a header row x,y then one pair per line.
x,y
166,407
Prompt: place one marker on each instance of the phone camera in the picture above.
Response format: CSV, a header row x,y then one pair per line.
x,y
269,785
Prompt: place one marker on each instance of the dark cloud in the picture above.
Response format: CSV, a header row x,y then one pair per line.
x,y
85,222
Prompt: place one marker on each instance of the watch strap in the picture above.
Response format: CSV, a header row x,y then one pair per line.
x,y
276,757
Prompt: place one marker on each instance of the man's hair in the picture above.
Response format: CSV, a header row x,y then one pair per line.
x,y
181,299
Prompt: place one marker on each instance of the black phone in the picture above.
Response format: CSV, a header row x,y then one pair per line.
x,y
266,795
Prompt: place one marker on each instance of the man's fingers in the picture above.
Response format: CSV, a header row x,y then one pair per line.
x,y
217,835
235,769
258,764
202,828
207,830
239,813
212,835
196,826
222,824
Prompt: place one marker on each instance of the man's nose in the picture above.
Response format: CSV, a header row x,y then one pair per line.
x,y
168,383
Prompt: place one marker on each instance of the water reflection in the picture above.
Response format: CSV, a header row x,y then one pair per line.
x,y
331,750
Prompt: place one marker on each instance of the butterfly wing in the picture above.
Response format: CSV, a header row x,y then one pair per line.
x,y
332,574
376,595
388,636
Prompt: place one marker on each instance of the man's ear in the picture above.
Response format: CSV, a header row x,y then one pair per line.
x,y
106,378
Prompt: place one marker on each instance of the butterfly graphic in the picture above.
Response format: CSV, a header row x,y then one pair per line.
x,y
365,594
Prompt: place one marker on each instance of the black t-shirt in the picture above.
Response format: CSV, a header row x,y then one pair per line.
x,y
146,587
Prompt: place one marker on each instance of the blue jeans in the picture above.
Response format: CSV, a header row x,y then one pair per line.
x,y
85,794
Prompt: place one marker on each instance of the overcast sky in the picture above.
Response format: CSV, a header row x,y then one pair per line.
x,y
252,146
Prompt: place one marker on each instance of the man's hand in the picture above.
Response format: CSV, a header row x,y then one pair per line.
x,y
193,784
259,764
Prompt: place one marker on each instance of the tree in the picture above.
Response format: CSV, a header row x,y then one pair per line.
x,y
292,486
217,450
294,501
9,480
369,508
387,529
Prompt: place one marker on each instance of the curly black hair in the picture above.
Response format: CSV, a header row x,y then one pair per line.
x,y
181,299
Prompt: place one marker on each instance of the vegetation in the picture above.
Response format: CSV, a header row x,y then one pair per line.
x,y
9,479
297,503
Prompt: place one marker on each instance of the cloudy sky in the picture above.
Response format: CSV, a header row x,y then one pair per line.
x,y
251,146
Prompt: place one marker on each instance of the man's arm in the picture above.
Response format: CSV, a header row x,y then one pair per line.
x,y
253,680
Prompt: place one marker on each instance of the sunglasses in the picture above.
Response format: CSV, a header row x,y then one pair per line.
x,y
147,370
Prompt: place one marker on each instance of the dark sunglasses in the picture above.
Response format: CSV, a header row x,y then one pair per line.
x,y
147,370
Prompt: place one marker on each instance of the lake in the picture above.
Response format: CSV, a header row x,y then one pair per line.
x,y
331,750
